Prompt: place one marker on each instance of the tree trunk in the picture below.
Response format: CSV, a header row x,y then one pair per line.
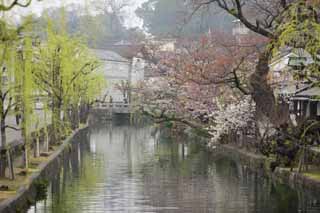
x,y
56,121
56,103
263,94
17,115
10,165
46,141
6,159
3,163
3,145
46,137
84,112
3,133
75,117
37,146
26,148
301,160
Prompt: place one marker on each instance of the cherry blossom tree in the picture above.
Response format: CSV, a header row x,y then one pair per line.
x,y
192,80
236,116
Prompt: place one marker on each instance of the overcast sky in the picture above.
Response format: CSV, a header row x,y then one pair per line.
x,y
131,20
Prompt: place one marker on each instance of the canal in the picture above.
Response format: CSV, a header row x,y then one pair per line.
x,y
123,168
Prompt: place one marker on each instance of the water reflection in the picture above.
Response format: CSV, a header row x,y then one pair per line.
x,y
121,168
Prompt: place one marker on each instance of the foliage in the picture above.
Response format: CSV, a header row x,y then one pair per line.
x,y
98,30
288,144
59,71
27,84
66,73
9,83
300,29
163,18
198,77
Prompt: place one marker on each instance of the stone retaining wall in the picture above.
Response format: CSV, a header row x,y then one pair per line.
x,y
260,164
26,195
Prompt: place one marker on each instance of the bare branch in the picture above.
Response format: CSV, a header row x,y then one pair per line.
x,y
18,3
12,127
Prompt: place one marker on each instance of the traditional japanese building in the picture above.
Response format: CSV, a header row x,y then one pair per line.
x,y
306,103
287,71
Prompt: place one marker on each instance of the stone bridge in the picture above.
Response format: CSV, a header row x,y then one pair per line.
x,y
114,107
106,110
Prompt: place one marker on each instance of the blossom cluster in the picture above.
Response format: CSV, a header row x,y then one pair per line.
x,y
233,117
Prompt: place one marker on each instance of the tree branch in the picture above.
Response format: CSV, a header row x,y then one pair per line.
x,y
237,12
165,118
12,127
4,7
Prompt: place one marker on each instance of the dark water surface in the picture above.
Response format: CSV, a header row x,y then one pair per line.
x,y
121,168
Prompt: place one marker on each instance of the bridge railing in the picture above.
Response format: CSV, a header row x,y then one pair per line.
x,y
113,105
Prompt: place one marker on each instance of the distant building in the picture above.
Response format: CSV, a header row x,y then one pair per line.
x,y
138,70
287,77
287,70
240,31
165,45
123,43
239,28
306,103
119,71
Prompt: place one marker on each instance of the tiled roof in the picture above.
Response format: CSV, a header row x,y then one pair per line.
x,y
311,92
108,55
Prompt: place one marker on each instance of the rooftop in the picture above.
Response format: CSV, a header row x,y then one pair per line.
x,y
312,92
107,55
294,53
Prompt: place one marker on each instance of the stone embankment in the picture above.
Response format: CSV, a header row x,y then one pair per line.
x,y
262,165
32,188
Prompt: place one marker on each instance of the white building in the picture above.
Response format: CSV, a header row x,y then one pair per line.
x,y
138,68
239,28
240,31
119,72
165,45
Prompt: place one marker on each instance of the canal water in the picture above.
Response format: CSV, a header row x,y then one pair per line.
x,y
123,168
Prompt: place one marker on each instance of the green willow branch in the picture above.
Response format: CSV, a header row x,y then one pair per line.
x,y
93,67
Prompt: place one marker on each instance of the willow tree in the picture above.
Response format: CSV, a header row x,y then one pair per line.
x,y
64,65
8,87
300,28
83,92
24,84
15,88
27,94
